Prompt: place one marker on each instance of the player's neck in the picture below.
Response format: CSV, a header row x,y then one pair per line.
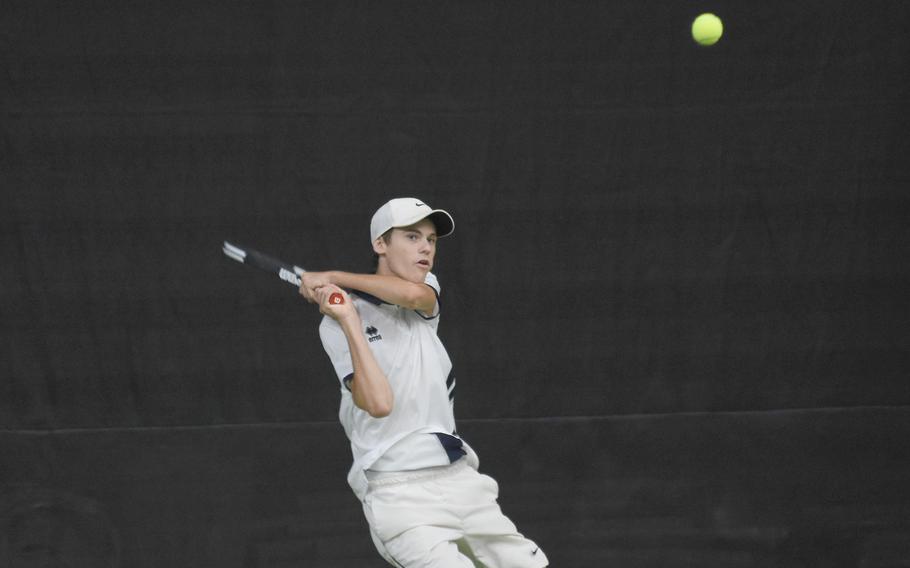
x,y
382,268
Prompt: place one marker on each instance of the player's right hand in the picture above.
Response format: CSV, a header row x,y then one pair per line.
x,y
336,311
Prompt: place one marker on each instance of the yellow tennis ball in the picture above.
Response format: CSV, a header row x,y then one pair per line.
x,y
707,29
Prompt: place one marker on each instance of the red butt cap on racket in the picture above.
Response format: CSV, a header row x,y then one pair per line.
x,y
336,299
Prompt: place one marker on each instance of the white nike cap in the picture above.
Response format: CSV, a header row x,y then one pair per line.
x,y
404,212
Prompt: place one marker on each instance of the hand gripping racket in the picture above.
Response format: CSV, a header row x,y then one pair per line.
x,y
287,272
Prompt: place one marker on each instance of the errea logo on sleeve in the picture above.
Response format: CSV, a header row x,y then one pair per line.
x,y
372,333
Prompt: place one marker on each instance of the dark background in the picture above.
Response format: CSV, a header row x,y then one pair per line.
x,y
676,297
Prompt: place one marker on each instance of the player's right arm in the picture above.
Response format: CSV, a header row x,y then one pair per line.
x,y
369,386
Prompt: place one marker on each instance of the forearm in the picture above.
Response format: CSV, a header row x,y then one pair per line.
x,y
391,289
370,388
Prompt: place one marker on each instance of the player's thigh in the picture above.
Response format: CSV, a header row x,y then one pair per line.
x,y
396,508
479,495
427,547
491,535
506,551
496,542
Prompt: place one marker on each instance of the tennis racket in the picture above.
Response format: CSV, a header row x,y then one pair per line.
x,y
290,273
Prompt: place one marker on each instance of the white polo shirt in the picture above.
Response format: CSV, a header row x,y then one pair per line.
x,y
417,366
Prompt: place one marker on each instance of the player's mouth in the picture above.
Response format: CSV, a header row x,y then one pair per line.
x,y
424,264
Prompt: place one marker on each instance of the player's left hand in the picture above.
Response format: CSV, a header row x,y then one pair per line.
x,y
311,281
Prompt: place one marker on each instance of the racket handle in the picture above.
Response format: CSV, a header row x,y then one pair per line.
x,y
336,298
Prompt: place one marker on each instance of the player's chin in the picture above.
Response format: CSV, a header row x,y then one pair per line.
x,y
419,274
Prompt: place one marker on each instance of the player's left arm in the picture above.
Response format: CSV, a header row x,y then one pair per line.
x,y
390,289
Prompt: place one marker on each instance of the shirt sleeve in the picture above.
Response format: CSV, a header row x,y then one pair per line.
x,y
336,347
433,283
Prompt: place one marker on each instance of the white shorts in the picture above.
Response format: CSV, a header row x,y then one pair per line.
x,y
444,517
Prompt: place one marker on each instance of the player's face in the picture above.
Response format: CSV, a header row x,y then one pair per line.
x,y
410,251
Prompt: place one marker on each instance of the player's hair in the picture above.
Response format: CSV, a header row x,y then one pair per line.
x,y
387,237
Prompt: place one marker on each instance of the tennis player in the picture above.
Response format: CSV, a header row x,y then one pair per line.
x,y
424,500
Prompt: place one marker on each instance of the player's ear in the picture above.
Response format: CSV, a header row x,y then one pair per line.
x,y
379,245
